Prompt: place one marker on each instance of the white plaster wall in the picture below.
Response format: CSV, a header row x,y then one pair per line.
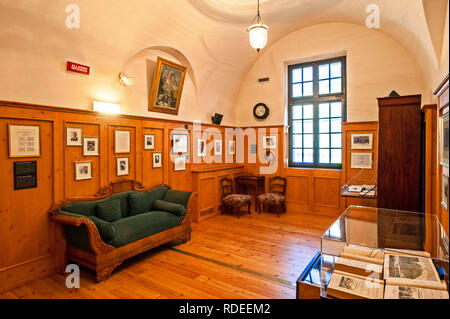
x,y
376,65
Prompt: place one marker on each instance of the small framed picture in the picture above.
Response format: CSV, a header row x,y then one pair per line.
x,y
444,141
201,148
24,141
361,160
179,163
157,160
122,142
217,147
269,142
149,142
123,168
444,191
180,143
231,147
74,136
83,171
90,146
362,141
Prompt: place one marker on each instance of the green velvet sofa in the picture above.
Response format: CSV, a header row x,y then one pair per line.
x,y
121,221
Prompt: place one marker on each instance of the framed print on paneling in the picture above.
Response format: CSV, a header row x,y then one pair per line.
x,y
74,136
123,168
361,160
444,140
149,142
179,163
122,142
180,143
157,160
83,171
24,140
361,141
90,146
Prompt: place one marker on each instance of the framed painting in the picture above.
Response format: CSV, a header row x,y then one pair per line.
x,y
168,81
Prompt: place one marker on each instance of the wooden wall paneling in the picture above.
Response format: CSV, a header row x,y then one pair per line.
x,y
366,176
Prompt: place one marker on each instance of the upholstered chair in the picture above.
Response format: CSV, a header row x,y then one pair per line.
x,y
275,198
231,200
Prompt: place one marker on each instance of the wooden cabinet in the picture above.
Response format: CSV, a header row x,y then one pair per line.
x,y
400,153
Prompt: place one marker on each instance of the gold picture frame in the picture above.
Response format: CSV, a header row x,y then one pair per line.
x,y
24,140
168,82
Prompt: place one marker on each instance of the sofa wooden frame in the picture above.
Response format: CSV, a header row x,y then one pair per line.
x,y
104,258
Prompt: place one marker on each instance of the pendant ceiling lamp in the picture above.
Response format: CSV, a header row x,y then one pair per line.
x,y
257,33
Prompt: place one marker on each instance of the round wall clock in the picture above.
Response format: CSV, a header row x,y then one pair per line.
x,y
261,111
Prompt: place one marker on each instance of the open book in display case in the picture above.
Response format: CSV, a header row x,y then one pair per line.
x,y
377,253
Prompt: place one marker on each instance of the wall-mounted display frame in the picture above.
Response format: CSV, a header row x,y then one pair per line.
x,y
83,171
180,143
91,146
201,148
361,160
157,160
444,191
361,141
270,142
74,136
24,140
149,142
122,142
231,147
179,163
123,168
444,140
25,175
217,147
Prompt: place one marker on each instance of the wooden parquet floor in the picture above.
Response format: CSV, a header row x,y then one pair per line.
x,y
256,256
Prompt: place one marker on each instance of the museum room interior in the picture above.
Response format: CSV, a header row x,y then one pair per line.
x,y
224,149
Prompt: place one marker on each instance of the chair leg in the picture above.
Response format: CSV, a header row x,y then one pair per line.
x,y
249,208
237,209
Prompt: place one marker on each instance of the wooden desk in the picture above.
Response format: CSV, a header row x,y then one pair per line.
x,y
250,185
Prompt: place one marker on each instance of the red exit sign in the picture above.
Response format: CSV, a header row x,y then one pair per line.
x,y
78,68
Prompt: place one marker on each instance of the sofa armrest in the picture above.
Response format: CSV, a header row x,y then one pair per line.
x,y
96,243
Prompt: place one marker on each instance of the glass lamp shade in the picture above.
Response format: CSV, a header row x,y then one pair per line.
x,y
258,35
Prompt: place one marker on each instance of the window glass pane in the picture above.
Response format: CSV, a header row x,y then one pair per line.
x,y
336,140
336,86
296,126
308,74
308,126
336,156
324,141
324,156
296,75
336,109
336,125
324,87
297,156
308,140
324,110
296,112
324,126
308,155
324,71
308,89
335,70
296,90
308,111
297,141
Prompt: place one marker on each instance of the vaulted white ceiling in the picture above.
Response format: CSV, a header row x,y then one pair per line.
x,y
210,34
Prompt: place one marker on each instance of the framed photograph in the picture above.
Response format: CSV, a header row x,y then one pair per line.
x,y
83,171
149,142
180,143
201,148
269,142
122,142
24,140
157,160
90,146
362,141
217,147
167,86
179,163
74,136
231,147
361,160
444,140
123,168
444,191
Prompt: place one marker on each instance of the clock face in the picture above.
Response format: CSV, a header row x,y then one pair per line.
x,y
260,111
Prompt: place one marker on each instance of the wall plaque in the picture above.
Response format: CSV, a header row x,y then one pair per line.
x,y
25,175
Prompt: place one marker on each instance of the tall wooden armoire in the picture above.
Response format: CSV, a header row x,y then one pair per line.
x,y
400,153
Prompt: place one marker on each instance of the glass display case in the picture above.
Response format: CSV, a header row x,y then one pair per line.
x,y
390,232
362,184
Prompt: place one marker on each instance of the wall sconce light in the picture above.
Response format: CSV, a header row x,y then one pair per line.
x,y
104,107
125,79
